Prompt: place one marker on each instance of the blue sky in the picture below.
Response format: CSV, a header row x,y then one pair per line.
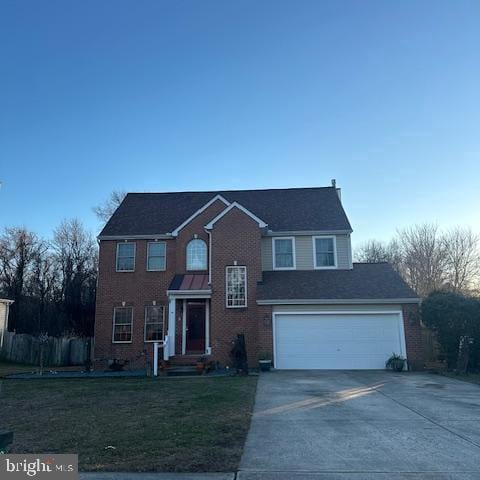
x,y
192,95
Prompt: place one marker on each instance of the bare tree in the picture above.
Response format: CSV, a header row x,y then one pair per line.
x,y
462,249
18,247
374,251
42,285
424,257
106,209
76,253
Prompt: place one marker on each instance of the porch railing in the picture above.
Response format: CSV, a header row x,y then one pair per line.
x,y
156,346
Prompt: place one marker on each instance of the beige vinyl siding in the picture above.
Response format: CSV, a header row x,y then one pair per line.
x,y
304,252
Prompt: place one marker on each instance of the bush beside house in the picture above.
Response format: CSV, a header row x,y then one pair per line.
x,y
453,316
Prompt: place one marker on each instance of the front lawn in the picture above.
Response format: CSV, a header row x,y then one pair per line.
x,y
9,368
130,424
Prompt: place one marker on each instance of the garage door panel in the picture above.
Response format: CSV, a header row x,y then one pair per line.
x,y
337,341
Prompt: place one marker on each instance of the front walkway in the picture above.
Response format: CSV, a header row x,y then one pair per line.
x,y
363,425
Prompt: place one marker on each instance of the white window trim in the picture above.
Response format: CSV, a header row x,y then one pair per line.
x,y
113,328
226,286
330,267
206,256
145,323
134,256
294,253
148,255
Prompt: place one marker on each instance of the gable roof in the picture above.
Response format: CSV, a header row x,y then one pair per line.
x,y
233,205
199,211
292,209
366,281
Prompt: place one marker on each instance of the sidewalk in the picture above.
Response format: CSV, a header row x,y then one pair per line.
x,y
156,476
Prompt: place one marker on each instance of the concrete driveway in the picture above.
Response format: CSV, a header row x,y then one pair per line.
x,y
363,425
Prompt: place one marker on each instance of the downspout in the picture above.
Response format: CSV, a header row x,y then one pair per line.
x,y
209,256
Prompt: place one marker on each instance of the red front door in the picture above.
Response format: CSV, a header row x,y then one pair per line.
x,y
195,327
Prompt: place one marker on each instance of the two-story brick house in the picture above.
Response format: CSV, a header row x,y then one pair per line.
x,y
194,269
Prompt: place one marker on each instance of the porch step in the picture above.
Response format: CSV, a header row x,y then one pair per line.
x,y
185,360
182,371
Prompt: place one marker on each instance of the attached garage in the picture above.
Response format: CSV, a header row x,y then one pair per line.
x,y
337,339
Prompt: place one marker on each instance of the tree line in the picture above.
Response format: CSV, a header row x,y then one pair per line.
x,y
52,282
430,259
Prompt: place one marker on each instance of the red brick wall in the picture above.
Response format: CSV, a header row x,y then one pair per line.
x,y
413,336
138,288
236,237
141,288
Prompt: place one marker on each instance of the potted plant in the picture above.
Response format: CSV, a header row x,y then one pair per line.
x,y
201,365
395,363
264,362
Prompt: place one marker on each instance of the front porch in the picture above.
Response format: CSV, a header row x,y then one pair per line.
x,y
188,326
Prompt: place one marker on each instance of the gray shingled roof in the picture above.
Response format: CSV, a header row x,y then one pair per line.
x,y
366,281
282,209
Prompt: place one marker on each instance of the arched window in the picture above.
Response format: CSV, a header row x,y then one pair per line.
x,y
196,255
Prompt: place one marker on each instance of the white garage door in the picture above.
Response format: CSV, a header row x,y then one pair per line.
x,y
337,341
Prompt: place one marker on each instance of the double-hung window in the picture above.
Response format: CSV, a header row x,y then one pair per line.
x,y
325,254
156,256
283,253
125,257
236,287
122,324
154,319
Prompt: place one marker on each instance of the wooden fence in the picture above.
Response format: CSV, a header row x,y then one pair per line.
x,y
58,351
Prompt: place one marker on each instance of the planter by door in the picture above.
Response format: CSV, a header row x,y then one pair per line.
x,y
195,332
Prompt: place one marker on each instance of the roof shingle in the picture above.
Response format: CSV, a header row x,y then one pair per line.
x,y
290,209
366,281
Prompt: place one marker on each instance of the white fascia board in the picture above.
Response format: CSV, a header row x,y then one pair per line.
x,y
347,301
260,222
7,301
199,211
272,233
159,236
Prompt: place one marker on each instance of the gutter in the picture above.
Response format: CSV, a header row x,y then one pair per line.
x,y
339,301
271,233
159,236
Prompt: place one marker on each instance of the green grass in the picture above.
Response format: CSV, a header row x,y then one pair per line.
x,y
8,368
160,424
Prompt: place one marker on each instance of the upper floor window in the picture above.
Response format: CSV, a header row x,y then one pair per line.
x,y
122,324
236,287
156,256
197,255
126,257
324,250
154,316
283,253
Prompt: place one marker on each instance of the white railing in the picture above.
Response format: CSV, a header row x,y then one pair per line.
x,y
166,347
156,346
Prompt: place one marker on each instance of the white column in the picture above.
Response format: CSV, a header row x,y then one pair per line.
x,y
171,326
207,327
155,359
184,327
